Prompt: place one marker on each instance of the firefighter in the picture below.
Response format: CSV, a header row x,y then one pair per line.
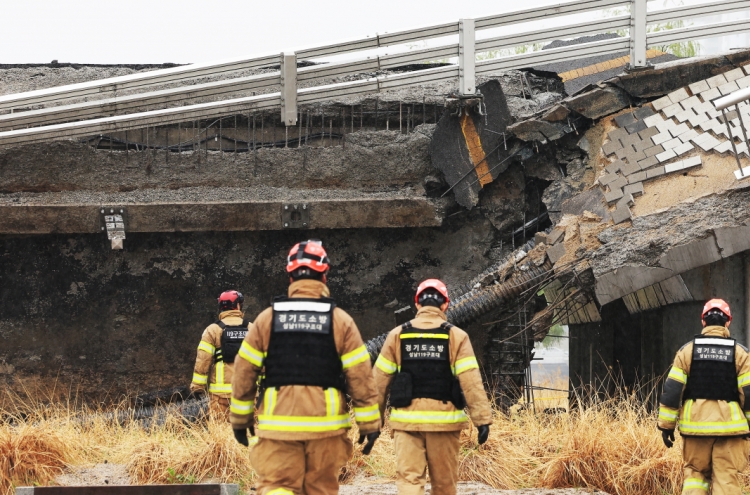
x,y
428,368
707,389
217,349
311,353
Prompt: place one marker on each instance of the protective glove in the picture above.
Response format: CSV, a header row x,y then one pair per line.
x,y
371,437
483,433
240,434
667,436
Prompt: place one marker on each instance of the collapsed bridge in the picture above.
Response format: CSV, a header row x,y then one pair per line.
x,y
130,199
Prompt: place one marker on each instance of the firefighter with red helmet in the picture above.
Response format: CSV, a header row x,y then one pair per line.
x,y
311,355
217,349
706,395
428,369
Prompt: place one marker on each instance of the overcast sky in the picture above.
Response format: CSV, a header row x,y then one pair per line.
x,y
182,31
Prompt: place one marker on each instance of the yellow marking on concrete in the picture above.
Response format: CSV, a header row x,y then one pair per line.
x,y
476,151
603,66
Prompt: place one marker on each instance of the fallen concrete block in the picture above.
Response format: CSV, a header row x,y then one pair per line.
x,y
613,195
635,178
654,172
683,148
643,112
556,252
626,200
673,167
607,179
618,183
615,166
678,96
555,236
698,87
622,214
648,162
663,102
536,130
667,155
631,168
648,132
636,127
634,189
716,81
625,119
611,147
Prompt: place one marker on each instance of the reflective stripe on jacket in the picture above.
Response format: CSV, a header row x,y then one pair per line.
x,y
299,412
703,417
216,377
430,414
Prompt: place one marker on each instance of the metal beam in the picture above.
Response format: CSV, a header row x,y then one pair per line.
x,y
638,11
466,58
289,88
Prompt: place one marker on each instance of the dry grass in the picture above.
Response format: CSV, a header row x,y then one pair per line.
x,y
610,445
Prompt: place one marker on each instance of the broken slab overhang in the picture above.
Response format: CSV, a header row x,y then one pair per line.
x,y
659,246
183,215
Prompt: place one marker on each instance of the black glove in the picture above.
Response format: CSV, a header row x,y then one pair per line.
x,y
483,433
667,436
371,437
240,434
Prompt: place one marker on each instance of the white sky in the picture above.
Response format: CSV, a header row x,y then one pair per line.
x,y
182,31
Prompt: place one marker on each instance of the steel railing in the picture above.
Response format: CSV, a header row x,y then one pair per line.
x,y
113,112
739,100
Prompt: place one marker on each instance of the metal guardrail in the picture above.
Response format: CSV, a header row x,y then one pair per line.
x,y
111,113
740,100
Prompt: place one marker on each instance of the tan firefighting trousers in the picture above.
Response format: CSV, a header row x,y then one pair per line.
x,y
713,462
418,451
309,467
219,406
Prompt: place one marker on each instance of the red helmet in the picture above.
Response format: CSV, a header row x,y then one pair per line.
x,y
309,254
229,300
719,304
432,283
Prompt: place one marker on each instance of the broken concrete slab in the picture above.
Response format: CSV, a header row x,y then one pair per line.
x,y
541,238
555,235
621,214
670,76
537,130
613,195
592,201
556,252
556,114
626,200
599,102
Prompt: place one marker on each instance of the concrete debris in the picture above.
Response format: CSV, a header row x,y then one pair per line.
x,y
556,252
557,113
599,102
537,130
621,214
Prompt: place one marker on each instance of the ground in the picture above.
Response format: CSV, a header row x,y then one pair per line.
x,y
116,474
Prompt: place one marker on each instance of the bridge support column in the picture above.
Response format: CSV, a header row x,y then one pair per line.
x,y
638,11
466,58
289,88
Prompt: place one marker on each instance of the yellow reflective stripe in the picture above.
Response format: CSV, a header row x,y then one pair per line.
x,y
241,407
205,346
365,414
303,423
251,355
402,416
677,374
333,403
220,372
747,415
743,380
200,379
385,365
269,400
695,484
280,491
223,388
668,414
465,364
424,336
358,355
736,411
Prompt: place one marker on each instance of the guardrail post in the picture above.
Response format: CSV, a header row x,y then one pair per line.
x,y
638,11
466,58
289,88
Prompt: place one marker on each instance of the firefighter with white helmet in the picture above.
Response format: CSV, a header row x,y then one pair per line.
x,y
217,349
706,395
310,353
428,369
